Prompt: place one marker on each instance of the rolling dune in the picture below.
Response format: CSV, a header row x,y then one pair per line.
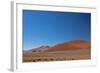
x,y
72,50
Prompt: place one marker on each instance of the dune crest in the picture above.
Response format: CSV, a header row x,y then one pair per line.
x,y
70,45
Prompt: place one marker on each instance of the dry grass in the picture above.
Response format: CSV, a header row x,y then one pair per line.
x,y
79,54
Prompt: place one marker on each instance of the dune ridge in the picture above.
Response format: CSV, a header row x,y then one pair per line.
x,y
70,45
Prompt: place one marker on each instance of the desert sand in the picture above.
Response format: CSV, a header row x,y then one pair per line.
x,y
72,50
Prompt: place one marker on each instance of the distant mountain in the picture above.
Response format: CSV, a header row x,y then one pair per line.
x,y
71,45
41,49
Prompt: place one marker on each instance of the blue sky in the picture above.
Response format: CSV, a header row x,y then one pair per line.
x,y
51,27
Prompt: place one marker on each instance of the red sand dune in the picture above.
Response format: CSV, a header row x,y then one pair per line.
x,y
71,45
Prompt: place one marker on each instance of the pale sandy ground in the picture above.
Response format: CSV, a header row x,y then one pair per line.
x,y
80,54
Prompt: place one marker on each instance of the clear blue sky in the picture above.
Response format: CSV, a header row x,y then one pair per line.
x,y
50,27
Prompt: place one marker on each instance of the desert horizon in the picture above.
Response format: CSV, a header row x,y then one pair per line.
x,y
50,46
72,50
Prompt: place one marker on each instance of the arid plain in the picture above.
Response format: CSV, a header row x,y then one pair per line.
x,y
71,50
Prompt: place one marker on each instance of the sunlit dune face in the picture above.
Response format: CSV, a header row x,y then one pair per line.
x,y
72,45
80,44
